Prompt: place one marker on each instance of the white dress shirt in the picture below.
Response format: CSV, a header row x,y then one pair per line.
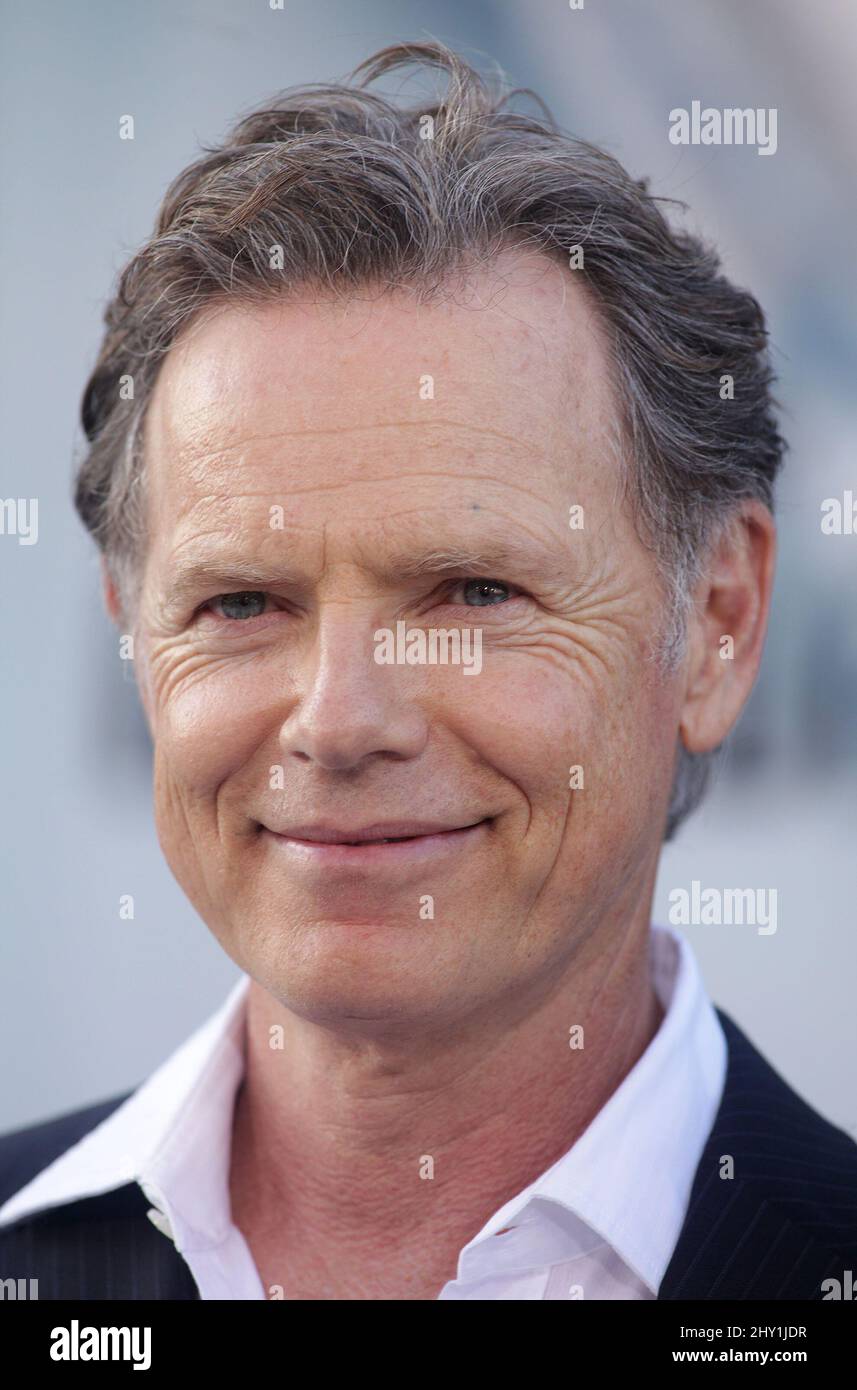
x,y
602,1222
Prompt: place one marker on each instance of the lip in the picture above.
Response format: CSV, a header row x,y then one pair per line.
x,y
378,830
376,844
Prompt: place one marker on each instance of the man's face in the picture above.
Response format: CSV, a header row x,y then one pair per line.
x,y
334,465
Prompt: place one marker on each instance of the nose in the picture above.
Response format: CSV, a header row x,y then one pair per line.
x,y
350,708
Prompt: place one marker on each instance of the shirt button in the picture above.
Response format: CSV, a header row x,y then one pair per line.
x,y
161,1221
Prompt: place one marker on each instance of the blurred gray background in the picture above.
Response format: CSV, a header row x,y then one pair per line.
x,y
91,1003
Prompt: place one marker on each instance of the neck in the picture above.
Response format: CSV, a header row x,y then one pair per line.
x,y
370,1144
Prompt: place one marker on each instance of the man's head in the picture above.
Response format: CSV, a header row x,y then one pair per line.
x,y
451,369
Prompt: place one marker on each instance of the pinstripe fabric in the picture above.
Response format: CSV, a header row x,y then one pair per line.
x,y
100,1248
786,1221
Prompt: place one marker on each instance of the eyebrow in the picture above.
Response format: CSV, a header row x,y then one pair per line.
x,y
229,575
525,556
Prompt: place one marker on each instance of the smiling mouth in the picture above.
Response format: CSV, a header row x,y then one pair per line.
x,y
386,847
386,839
328,836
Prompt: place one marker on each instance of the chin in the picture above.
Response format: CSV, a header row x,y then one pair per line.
x,y
335,988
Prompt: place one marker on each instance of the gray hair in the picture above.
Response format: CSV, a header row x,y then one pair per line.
x,y
357,190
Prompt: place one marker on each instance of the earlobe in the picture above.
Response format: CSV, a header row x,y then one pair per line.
x,y
727,628
110,593
113,605
700,723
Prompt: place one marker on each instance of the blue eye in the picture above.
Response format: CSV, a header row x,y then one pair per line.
x,y
248,604
484,592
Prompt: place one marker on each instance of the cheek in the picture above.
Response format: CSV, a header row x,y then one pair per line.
x,y
627,756
548,727
528,721
213,724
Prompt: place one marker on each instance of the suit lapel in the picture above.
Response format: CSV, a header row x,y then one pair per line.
x,y
101,1247
759,1234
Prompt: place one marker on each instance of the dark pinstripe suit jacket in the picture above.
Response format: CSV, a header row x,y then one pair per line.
x,y
786,1220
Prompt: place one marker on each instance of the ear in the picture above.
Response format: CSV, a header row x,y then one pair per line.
x,y
114,608
726,632
111,596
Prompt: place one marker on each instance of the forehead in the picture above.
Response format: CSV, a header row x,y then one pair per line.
x,y
503,378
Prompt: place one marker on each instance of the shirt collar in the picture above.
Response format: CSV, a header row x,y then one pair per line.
x,y
626,1180
172,1136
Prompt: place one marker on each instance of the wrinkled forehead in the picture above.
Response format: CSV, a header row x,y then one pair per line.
x,y
518,346
381,424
